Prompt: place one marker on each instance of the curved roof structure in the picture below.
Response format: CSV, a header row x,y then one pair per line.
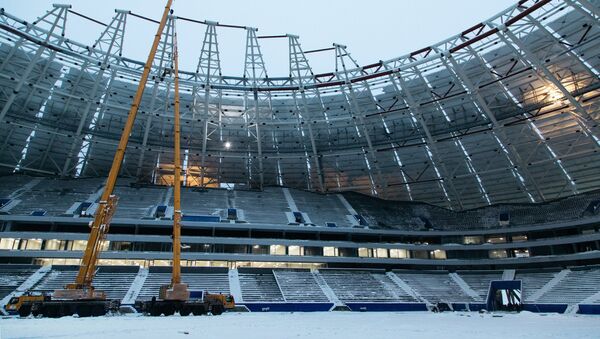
x,y
506,111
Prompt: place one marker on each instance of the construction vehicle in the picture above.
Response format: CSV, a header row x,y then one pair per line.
x,y
81,297
176,297
15,304
197,303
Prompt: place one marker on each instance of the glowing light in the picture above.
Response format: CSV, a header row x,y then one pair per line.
x,y
554,94
227,145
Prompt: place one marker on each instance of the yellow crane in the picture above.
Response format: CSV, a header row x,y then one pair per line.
x,y
177,290
175,297
80,297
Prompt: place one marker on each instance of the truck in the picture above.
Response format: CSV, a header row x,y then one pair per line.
x,y
16,304
197,303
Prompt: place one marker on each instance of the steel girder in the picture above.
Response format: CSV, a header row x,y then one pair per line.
x,y
505,111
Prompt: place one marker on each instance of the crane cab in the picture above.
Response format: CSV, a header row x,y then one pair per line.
x,y
21,305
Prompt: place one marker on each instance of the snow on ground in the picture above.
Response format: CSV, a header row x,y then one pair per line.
x,y
347,325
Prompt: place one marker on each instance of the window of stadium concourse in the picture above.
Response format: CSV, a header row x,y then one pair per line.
x,y
381,252
132,262
261,264
498,254
295,250
496,239
541,250
398,253
55,261
420,254
277,250
438,254
562,249
330,251
471,254
518,238
348,252
313,251
586,246
202,248
365,252
54,245
31,244
268,264
449,239
473,240
521,253
260,249
78,245
9,243
204,263
235,249
120,246
127,262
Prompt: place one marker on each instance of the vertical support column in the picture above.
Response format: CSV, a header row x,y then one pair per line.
x,y
258,138
208,71
203,154
254,70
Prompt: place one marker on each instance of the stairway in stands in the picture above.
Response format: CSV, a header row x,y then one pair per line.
x,y
260,287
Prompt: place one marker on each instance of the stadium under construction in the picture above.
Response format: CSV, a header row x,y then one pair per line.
x,y
462,176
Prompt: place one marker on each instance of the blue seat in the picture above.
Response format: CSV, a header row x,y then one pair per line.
x,y
38,213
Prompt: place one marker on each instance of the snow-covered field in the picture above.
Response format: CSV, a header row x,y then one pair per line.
x,y
311,325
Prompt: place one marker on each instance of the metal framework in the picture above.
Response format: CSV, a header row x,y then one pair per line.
x,y
506,111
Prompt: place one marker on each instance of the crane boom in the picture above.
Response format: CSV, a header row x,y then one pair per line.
x,y
107,205
176,291
176,276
